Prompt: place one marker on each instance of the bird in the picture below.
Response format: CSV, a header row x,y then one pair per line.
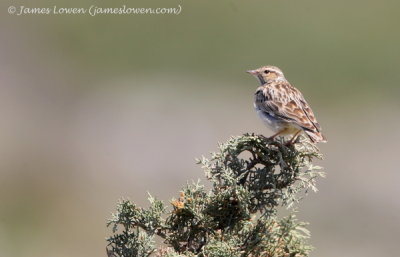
x,y
283,108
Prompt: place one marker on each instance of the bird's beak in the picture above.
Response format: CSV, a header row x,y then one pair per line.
x,y
252,72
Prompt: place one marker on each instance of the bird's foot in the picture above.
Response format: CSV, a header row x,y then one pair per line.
x,y
293,142
290,143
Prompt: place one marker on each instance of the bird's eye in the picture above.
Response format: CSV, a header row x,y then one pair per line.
x,y
266,71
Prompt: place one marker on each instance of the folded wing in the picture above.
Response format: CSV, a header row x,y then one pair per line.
x,y
286,103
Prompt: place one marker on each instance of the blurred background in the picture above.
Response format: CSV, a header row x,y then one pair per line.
x,y
98,108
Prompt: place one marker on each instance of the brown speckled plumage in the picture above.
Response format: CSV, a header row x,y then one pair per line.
x,y
283,107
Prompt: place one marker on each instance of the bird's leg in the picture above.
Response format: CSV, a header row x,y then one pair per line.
x,y
277,134
296,135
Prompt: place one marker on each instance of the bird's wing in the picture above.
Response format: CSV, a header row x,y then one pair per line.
x,y
284,102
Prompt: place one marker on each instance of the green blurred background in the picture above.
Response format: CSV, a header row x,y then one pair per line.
x,y
98,108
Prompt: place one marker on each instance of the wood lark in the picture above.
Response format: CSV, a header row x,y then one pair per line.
x,y
282,106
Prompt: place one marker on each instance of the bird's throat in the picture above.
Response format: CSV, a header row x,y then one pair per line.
x,y
261,79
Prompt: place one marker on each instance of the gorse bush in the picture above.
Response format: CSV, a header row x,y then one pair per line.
x,y
251,177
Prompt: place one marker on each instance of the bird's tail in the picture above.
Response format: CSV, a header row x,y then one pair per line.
x,y
316,137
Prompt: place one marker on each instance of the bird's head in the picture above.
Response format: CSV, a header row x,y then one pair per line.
x,y
267,74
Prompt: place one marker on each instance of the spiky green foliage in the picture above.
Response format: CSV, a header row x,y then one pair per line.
x,y
251,176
